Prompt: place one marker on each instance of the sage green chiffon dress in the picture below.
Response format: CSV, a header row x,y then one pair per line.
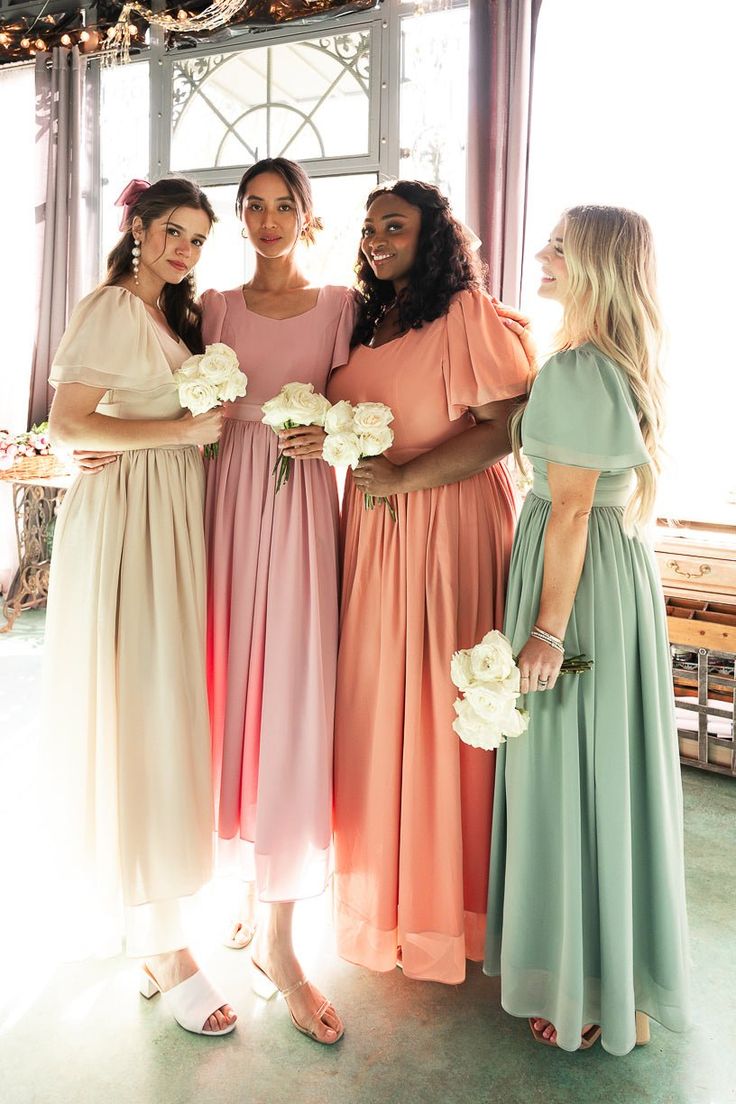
x,y
586,911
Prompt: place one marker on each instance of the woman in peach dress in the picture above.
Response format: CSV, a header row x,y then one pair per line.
x,y
413,804
272,587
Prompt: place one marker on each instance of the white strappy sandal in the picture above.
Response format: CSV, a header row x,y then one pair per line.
x,y
191,1002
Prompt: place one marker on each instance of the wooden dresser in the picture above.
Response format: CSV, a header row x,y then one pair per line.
x,y
697,564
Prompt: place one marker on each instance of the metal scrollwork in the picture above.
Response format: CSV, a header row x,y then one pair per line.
x,y
350,53
35,508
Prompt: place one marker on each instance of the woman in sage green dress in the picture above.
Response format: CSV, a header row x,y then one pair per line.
x,y
587,922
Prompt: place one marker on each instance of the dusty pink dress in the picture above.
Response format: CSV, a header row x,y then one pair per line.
x,y
272,606
413,804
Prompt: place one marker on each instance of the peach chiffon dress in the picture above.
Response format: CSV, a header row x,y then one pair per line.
x,y
412,803
272,607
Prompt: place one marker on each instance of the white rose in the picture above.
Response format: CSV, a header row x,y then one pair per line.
x,y
473,730
234,387
220,349
275,412
370,416
341,449
461,671
304,406
339,418
492,704
516,722
218,363
189,369
197,396
492,659
374,442
513,682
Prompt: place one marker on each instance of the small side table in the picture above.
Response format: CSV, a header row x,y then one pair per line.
x,y
35,503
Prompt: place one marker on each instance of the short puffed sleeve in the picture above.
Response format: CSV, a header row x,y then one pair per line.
x,y
109,343
345,304
581,413
483,361
214,309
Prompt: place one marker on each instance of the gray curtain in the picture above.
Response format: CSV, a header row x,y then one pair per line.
x,y
66,219
502,37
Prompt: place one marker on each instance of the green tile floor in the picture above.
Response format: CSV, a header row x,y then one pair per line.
x,y
80,1034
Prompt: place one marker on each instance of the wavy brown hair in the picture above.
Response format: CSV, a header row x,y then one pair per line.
x,y
298,183
445,264
178,301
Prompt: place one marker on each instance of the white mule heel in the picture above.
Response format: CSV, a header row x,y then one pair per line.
x,y
146,985
191,1002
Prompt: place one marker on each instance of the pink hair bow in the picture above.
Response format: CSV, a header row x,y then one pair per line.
x,y
128,198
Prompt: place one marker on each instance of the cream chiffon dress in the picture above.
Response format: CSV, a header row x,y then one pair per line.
x,y
127,730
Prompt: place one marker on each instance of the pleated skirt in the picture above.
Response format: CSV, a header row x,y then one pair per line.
x,y
587,918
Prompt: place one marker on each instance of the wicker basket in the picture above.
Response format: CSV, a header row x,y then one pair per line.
x,y
35,467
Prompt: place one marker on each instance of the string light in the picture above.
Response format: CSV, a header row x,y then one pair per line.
x,y
114,42
117,48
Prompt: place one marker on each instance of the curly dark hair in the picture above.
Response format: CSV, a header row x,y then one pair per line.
x,y
445,264
178,301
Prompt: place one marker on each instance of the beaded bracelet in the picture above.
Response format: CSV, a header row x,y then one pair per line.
x,y
547,638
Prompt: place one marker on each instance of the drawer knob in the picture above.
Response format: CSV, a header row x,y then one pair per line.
x,y
703,569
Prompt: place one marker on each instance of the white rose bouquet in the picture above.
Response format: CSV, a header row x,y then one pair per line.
x,y
297,404
489,679
209,379
354,432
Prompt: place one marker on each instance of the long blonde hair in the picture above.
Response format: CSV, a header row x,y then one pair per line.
x,y
612,303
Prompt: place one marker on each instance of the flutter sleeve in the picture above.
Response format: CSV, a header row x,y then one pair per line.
x,y
581,413
483,361
214,309
345,326
108,344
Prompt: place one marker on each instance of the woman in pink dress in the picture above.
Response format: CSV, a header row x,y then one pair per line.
x,y
272,586
413,804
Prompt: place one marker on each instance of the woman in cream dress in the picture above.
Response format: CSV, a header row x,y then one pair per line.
x,y
128,747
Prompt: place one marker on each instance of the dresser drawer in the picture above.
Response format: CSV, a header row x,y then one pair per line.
x,y
699,572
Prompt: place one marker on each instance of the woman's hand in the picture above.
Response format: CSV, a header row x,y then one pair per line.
x,y
539,665
377,476
205,429
90,462
519,324
303,442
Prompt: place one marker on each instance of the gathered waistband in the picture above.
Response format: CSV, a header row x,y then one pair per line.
x,y
243,412
611,490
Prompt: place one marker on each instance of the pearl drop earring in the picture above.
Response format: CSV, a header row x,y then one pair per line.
x,y
136,259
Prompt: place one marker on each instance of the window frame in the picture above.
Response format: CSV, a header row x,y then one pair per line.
x,y
382,157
